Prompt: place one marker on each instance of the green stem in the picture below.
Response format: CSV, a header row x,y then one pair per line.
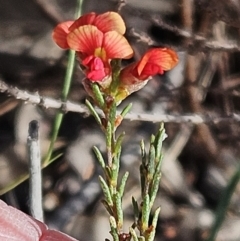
x,y
65,92
223,205
56,127
69,74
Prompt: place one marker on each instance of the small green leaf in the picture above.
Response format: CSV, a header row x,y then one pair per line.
x,y
118,154
99,157
151,236
133,233
143,152
141,238
160,137
151,163
98,96
135,210
106,191
112,114
142,179
118,202
109,135
155,182
155,217
108,208
93,112
115,170
152,139
126,109
154,189
113,222
145,213
158,164
114,231
108,172
123,183
119,143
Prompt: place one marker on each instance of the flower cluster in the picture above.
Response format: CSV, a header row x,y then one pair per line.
x,y
100,45
98,40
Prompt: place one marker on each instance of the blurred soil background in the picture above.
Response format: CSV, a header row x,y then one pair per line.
x,y
201,154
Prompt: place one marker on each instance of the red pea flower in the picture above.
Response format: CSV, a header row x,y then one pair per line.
x,y
97,39
136,75
17,226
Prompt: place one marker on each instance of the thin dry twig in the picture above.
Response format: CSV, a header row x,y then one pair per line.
x,y
35,180
229,46
200,41
68,106
46,102
193,70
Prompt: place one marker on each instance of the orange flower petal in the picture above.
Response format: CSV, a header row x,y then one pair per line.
x,y
86,19
164,58
116,46
85,39
60,34
110,21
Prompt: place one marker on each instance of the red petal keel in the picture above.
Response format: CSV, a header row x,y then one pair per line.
x,y
95,68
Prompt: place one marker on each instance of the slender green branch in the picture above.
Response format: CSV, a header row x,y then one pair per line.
x,y
65,92
223,204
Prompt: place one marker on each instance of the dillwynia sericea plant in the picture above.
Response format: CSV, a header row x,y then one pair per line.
x,y
100,46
